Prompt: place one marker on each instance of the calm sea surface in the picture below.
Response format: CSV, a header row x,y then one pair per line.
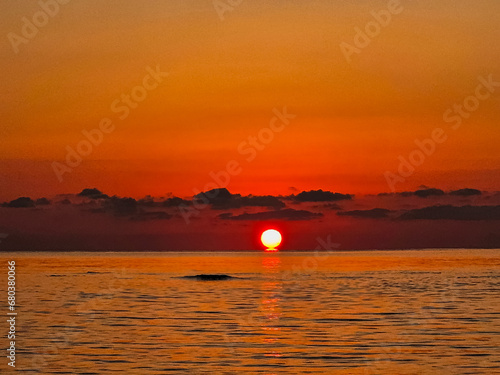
x,y
397,312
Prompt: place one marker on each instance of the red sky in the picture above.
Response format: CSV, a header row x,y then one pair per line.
x,y
228,74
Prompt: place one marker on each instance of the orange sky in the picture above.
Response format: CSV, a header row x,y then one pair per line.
x,y
353,119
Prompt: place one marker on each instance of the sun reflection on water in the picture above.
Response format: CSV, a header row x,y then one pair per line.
x,y
270,305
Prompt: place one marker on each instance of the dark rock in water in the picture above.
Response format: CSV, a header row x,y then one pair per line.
x,y
205,277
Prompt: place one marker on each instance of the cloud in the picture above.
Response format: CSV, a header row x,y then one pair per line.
x,y
92,194
148,201
222,199
376,213
175,202
320,196
136,210
425,193
149,222
466,192
286,214
212,196
429,192
42,202
22,202
441,212
449,212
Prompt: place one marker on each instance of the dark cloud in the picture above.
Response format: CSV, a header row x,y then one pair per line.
x,y
137,210
406,194
42,202
92,194
429,192
120,223
425,193
286,214
376,213
175,202
320,196
449,212
422,193
147,201
466,192
262,201
213,196
22,202
222,199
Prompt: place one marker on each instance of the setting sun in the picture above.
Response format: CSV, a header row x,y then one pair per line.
x,y
271,238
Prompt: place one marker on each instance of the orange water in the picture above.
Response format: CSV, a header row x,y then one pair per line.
x,y
398,312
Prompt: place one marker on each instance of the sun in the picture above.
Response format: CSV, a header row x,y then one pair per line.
x,y
271,239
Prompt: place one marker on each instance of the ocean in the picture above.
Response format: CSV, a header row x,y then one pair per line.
x,y
364,312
